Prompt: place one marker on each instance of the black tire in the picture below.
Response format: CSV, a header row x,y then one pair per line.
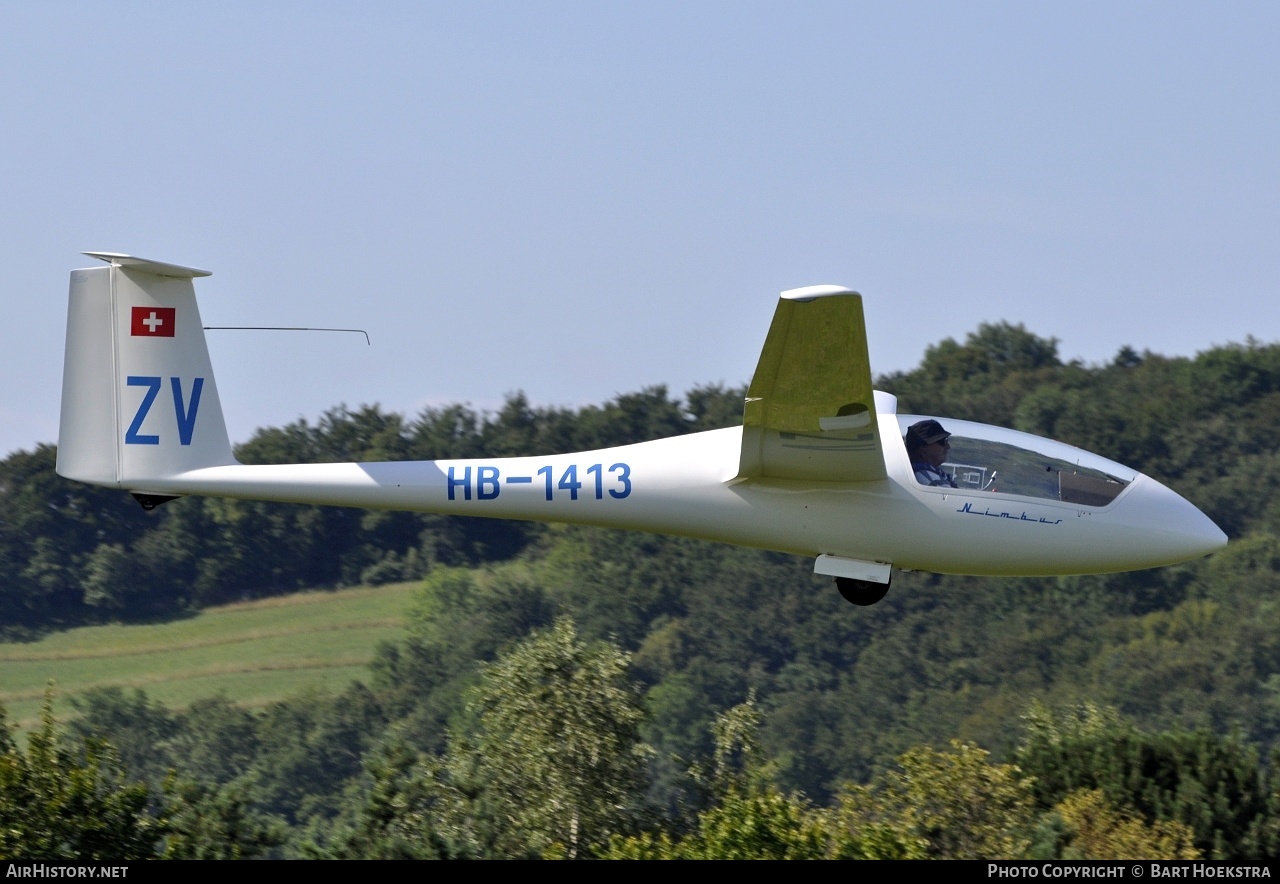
x,y
861,592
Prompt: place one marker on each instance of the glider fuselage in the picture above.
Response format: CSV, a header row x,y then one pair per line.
x,y
688,485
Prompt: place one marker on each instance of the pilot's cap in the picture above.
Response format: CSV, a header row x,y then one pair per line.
x,y
925,433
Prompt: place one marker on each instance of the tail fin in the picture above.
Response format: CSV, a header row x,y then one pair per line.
x,y
139,402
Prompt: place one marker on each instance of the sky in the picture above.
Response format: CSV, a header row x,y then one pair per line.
x,y
583,199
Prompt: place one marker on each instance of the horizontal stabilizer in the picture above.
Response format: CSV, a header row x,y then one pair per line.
x,y
145,265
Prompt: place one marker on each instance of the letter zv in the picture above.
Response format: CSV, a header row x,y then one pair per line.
x,y
184,413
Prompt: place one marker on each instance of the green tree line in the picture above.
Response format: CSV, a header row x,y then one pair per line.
x,y
549,760
1164,685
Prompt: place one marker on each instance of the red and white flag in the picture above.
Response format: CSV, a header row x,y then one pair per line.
x,y
153,322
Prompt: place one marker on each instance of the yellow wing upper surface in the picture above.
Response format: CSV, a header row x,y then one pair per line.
x,y
810,411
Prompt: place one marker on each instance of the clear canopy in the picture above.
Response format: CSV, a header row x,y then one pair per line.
x,y
994,459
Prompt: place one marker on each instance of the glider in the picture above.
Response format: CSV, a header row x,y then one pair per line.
x,y
819,468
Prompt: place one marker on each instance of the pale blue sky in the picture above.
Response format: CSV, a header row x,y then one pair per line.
x,y
583,199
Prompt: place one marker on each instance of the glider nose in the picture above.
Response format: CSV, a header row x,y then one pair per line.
x,y
1174,529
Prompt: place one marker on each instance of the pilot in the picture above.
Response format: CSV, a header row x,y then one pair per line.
x,y
927,447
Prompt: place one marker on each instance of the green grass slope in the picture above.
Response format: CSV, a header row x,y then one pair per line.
x,y
254,652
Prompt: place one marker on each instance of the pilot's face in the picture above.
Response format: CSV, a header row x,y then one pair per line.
x,y
935,453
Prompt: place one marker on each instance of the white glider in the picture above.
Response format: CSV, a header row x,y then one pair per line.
x,y
819,467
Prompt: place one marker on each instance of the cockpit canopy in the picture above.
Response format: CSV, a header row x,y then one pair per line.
x,y
993,459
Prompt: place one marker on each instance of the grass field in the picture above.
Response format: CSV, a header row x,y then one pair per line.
x,y
253,652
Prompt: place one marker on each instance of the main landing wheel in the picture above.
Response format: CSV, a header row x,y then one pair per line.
x,y
861,592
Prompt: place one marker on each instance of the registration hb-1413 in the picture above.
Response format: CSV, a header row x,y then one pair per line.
x,y
486,482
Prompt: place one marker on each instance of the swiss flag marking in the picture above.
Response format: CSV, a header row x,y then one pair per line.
x,y
153,322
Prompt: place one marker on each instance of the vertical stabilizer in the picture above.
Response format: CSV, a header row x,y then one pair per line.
x,y
139,401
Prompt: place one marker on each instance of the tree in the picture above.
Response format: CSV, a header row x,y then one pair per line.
x,y
761,824
750,818
60,800
216,742
410,808
206,815
138,729
1212,784
546,761
310,746
206,821
1092,828
941,805
557,743
982,379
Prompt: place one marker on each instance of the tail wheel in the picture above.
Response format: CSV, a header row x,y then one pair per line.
x,y
861,592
